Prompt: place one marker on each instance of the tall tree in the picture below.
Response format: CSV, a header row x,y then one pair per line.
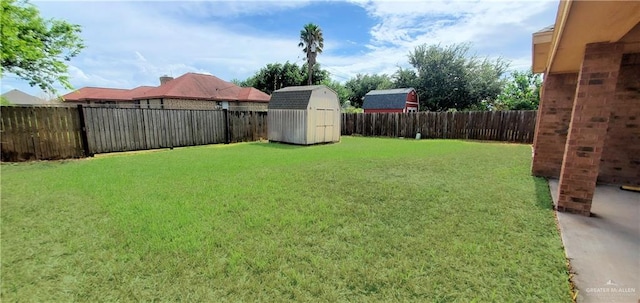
x,y
318,75
275,76
521,92
339,88
34,48
312,43
405,78
449,78
362,84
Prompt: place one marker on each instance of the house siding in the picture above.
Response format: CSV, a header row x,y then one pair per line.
x,y
412,101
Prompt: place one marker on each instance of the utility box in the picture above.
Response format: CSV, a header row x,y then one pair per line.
x,y
304,115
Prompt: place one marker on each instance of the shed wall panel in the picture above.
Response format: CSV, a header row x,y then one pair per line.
x,y
287,125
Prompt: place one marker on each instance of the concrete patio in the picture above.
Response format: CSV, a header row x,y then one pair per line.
x,y
604,249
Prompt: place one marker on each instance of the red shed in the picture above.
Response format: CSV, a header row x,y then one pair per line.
x,y
399,100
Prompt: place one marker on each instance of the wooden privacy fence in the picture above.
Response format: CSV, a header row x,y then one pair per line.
x,y
126,129
509,126
32,133
41,133
45,133
247,126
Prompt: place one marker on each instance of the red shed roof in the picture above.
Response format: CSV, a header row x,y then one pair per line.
x,y
188,86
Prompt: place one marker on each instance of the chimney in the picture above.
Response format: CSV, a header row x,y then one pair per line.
x,y
164,79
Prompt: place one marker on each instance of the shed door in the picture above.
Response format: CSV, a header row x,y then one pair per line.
x,y
324,124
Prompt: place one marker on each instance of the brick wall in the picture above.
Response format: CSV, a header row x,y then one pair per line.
x,y
620,162
188,104
248,106
552,126
588,127
203,104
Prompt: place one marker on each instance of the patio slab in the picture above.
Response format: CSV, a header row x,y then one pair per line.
x,y
604,249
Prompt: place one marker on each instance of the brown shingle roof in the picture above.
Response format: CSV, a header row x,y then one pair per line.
x,y
188,86
204,87
98,93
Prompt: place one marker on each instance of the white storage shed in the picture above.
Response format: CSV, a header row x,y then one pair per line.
x,y
304,115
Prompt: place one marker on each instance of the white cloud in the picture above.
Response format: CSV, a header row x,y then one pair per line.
x,y
133,43
226,8
490,26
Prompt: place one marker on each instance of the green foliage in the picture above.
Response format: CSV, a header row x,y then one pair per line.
x,y
275,76
319,75
522,92
349,109
362,84
34,48
365,220
4,101
405,78
448,77
341,90
312,43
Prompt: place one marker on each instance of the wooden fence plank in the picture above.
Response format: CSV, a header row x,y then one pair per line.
x,y
54,133
511,126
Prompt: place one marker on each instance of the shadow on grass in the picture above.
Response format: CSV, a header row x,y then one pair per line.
x,y
277,145
543,195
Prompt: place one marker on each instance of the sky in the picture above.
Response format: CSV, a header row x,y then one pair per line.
x,y
133,43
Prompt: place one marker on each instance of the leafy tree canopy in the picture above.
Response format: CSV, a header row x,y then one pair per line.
x,y
449,78
362,84
275,76
521,92
341,90
34,48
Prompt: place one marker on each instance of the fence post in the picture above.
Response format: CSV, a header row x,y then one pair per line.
x,y
226,126
83,132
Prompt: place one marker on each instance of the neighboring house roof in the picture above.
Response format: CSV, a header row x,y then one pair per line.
x,y
98,93
138,91
203,87
386,99
188,86
253,94
15,96
292,97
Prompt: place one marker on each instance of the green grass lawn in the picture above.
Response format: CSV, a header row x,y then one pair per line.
x,y
367,219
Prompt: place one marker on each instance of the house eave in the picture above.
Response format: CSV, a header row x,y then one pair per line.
x,y
579,23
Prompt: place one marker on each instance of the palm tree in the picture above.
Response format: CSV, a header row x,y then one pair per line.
x,y
312,42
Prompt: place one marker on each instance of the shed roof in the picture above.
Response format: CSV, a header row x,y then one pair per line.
x,y
19,97
386,98
293,97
